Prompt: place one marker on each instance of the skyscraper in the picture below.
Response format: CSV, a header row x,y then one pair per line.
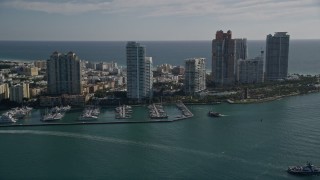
x,y
225,53
64,74
195,75
277,52
241,48
139,72
148,77
241,53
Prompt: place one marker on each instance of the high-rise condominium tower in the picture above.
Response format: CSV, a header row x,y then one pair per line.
x,y
139,72
277,52
64,74
251,70
195,75
225,53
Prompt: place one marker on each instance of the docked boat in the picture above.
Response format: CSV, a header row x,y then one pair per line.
x,y
7,118
87,117
47,117
20,112
95,111
60,109
90,113
123,112
52,117
308,169
214,114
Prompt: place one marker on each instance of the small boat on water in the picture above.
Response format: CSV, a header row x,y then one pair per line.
x,y
214,114
308,169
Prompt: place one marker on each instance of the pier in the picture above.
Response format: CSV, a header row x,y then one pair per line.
x,y
123,112
157,112
184,110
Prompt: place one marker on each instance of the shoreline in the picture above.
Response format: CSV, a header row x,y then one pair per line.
x,y
229,101
8,125
252,101
95,123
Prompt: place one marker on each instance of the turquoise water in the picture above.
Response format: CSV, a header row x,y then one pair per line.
x,y
253,141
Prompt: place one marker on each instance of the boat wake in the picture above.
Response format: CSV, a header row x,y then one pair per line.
x,y
137,143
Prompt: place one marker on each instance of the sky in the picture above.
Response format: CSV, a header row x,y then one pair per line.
x,y
147,20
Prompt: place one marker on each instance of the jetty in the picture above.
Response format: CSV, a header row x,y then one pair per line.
x,y
123,112
157,112
186,113
90,113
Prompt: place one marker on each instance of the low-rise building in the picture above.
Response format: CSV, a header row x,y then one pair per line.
x,y
42,64
178,70
30,71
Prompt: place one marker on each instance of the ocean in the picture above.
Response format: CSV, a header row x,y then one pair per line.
x,y
251,141
304,55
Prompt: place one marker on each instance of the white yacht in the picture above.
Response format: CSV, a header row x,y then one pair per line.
x,y
47,117
86,117
60,109
7,118
20,112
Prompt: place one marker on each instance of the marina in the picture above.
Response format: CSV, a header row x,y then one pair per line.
x,y
123,112
7,118
20,112
184,110
157,112
90,113
52,115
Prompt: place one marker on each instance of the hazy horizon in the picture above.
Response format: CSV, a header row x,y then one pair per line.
x,y
150,20
140,40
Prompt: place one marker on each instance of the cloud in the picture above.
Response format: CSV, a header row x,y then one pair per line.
x,y
219,9
64,7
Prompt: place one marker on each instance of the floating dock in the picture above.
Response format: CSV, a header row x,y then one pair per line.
x,y
157,112
186,113
123,112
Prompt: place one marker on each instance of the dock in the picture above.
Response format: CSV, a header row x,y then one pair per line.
x,y
157,112
161,118
184,110
123,112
